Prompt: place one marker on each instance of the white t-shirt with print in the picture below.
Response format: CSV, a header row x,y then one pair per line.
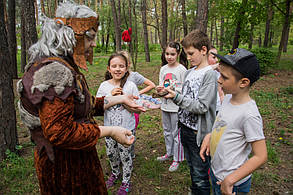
x,y
118,115
171,76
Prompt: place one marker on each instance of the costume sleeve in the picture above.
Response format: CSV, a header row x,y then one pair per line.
x,y
61,130
206,95
99,106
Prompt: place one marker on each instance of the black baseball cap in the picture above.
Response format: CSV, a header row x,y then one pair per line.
x,y
243,61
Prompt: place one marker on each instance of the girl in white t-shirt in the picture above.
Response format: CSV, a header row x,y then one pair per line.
x,y
116,83
171,74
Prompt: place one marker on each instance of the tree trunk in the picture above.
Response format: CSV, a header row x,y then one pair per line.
x,y
116,25
287,32
201,21
30,24
135,44
164,22
8,131
130,26
216,32
211,32
270,13
158,33
145,31
171,21
239,22
184,18
252,23
43,7
285,27
12,37
222,34
23,38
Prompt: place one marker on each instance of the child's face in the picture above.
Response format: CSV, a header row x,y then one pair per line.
x,y
228,81
171,55
194,56
117,68
212,59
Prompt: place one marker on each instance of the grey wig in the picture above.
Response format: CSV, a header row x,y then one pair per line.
x,y
58,39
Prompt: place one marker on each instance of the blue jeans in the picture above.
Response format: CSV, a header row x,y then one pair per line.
x,y
241,189
198,168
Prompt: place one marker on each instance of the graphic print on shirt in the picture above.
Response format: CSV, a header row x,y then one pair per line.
x,y
189,90
115,115
218,129
170,79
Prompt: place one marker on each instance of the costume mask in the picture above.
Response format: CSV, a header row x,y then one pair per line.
x,y
80,26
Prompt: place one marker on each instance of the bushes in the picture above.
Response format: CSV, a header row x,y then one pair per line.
x,y
266,59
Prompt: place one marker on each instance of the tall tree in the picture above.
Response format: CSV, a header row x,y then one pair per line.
x,y
29,27
201,20
164,22
270,13
117,24
241,12
12,37
23,37
287,30
145,30
184,18
286,23
8,133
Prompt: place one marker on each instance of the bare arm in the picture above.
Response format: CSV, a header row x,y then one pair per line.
x,y
259,157
150,86
127,100
120,134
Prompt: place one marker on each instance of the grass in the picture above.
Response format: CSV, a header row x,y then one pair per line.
x,y
275,105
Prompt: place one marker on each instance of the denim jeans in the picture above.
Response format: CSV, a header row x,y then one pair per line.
x,y
198,168
241,189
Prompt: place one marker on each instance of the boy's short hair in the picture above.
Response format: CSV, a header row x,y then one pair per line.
x,y
245,62
196,39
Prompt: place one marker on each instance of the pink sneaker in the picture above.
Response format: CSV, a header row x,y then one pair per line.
x,y
124,189
163,158
112,180
174,166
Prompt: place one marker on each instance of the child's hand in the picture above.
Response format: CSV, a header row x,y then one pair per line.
x,y
116,91
171,94
123,136
159,88
226,186
205,147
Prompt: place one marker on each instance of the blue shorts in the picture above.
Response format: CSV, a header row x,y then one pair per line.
x,y
240,189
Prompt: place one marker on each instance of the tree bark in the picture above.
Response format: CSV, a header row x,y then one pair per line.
x,y
158,32
43,6
12,37
287,31
222,34
135,42
23,38
171,21
164,22
239,23
270,13
252,23
8,131
184,18
116,25
285,27
201,21
145,31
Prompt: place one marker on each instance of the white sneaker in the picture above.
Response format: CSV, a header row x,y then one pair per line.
x,y
163,158
174,166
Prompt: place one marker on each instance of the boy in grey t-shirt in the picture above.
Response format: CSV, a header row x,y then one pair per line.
x,y
238,127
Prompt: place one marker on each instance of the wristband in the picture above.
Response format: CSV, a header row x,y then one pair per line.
x,y
175,96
